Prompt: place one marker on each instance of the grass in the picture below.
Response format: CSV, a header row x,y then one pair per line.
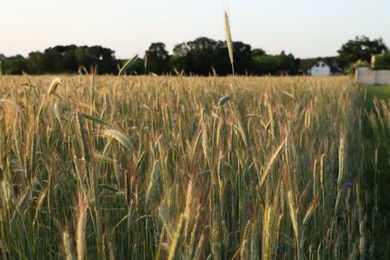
x,y
377,180
171,167
371,91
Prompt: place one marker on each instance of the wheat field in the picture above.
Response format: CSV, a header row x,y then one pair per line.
x,y
182,168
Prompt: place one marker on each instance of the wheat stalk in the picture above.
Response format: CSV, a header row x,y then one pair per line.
x,y
254,243
174,251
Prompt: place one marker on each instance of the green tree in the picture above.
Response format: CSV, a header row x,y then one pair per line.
x,y
265,65
67,61
258,52
179,60
382,62
242,53
157,58
59,59
90,57
104,58
35,62
220,59
2,58
82,56
14,65
201,55
288,63
51,61
360,48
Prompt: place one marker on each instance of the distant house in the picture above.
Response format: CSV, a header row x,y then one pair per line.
x,y
320,68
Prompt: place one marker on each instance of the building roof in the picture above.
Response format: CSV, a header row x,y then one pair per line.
x,y
317,62
334,68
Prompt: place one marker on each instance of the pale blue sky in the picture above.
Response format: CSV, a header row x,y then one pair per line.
x,y
306,28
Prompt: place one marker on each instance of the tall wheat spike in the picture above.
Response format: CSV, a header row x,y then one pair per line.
x,y
229,41
82,136
205,141
127,64
81,226
194,233
341,162
153,181
340,176
119,136
67,245
174,251
245,246
272,217
188,211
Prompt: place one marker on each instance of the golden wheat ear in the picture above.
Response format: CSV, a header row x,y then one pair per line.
x,y
229,41
53,86
81,226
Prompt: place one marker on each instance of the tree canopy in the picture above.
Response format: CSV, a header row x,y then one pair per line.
x,y
201,56
382,62
62,59
360,48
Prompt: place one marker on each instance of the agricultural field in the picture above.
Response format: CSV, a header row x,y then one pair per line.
x,y
192,167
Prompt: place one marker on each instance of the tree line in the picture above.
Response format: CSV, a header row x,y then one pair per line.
x,y
62,59
202,56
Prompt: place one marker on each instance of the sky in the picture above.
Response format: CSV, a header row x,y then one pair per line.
x,y
305,28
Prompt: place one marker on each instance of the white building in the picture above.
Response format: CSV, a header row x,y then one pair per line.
x,y
320,68
365,75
